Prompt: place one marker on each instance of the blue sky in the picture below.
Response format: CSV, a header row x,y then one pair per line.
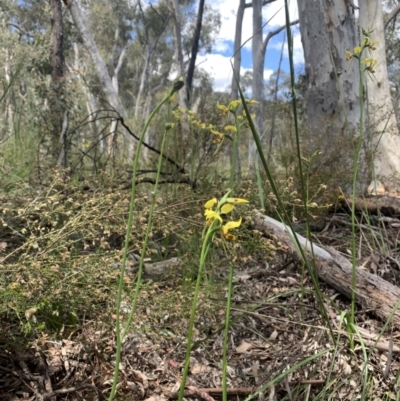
x,y
218,62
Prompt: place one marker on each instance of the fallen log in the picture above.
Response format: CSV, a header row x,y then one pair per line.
x,y
377,205
372,292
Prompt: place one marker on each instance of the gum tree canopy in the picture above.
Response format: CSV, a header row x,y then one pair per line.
x,y
332,86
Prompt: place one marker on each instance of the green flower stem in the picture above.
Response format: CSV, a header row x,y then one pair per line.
x,y
146,238
177,86
226,337
234,150
282,209
215,226
353,198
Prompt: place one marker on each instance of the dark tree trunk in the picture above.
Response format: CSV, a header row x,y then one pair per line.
x,y
57,42
195,49
58,114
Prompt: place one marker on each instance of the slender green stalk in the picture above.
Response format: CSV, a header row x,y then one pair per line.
x,y
364,66
287,372
259,183
353,198
203,256
119,336
147,234
282,208
215,224
226,337
235,149
294,105
304,188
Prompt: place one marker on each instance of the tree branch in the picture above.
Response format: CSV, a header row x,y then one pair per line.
x,y
264,3
275,32
180,169
392,15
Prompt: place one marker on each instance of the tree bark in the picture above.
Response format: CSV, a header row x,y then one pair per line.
x,y
326,31
57,42
195,49
382,118
58,111
332,95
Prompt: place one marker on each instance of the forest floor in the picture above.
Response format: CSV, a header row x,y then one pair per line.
x,y
279,346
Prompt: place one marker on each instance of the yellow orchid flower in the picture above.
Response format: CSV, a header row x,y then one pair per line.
x,y
230,128
229,226
251,101
349,55
211,215
234,105
236,201
373,45
369,63
357,51
224,109
214,132
227,208
219,137
210,203
369,60
366,33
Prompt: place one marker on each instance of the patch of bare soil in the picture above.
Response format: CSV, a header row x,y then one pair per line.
x,y
279,346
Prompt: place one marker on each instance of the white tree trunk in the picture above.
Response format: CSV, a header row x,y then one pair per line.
x,y
332,96
150,49
178,48
8,99
259,49
91,105
258,74
98,62
237,57
382,119
115,84
332,84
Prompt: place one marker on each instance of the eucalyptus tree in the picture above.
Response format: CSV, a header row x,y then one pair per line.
x,y
35,27
385,137
259,49
151,24
121,51
333,102
58,108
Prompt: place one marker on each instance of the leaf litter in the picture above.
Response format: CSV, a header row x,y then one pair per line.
x,y
275,327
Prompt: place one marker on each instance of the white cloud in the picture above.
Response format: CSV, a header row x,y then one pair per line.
x,y
219,67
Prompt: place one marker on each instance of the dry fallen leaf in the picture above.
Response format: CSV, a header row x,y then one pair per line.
x,y
198,368
156,397
244,347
